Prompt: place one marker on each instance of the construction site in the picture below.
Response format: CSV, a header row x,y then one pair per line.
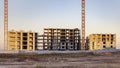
x,y
56,38
58,47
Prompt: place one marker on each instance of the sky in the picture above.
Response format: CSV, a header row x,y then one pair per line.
x,y
102,16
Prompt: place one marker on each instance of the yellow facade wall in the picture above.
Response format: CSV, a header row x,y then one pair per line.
x,y
16,41
102,41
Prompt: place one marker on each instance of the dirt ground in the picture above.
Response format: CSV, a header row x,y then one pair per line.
x,y
71,60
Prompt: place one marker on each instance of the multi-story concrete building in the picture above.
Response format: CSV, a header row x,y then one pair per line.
x,y
20,40
102,41
61,39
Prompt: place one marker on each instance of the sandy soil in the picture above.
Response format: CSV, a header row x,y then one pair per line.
x,y
78,60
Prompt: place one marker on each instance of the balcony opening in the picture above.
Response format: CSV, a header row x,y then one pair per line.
x,y
25,43
104,42
104,46
24,47
63,47
24,34
24,38
63,43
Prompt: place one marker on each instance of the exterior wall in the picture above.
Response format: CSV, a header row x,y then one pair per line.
x,y
40,42
87,44
61,39
102,41
20,40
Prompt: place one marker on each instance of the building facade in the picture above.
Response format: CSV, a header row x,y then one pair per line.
x,y
20,40
40,39
101,41
61,39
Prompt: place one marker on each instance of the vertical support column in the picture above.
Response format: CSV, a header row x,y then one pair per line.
x,y
8,40
114,41
33,41
16,47
43,41
28,39
5,24
21,41
83,25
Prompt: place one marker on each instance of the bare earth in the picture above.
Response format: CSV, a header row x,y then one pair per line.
x,y
71,60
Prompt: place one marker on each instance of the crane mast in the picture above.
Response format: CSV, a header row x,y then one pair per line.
x,y
5,24
83,25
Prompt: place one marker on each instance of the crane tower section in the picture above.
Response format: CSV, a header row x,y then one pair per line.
x,y
83,25
5,24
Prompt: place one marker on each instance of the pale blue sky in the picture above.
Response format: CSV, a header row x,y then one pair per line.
x,y
102,16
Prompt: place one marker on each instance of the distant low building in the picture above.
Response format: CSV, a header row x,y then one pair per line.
x,y
20,40
101,41
61,39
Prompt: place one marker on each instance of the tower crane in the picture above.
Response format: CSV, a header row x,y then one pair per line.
x,y
83,24
5,24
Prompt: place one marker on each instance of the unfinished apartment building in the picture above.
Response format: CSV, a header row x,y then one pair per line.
x,y
102,41
20,40
61,39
